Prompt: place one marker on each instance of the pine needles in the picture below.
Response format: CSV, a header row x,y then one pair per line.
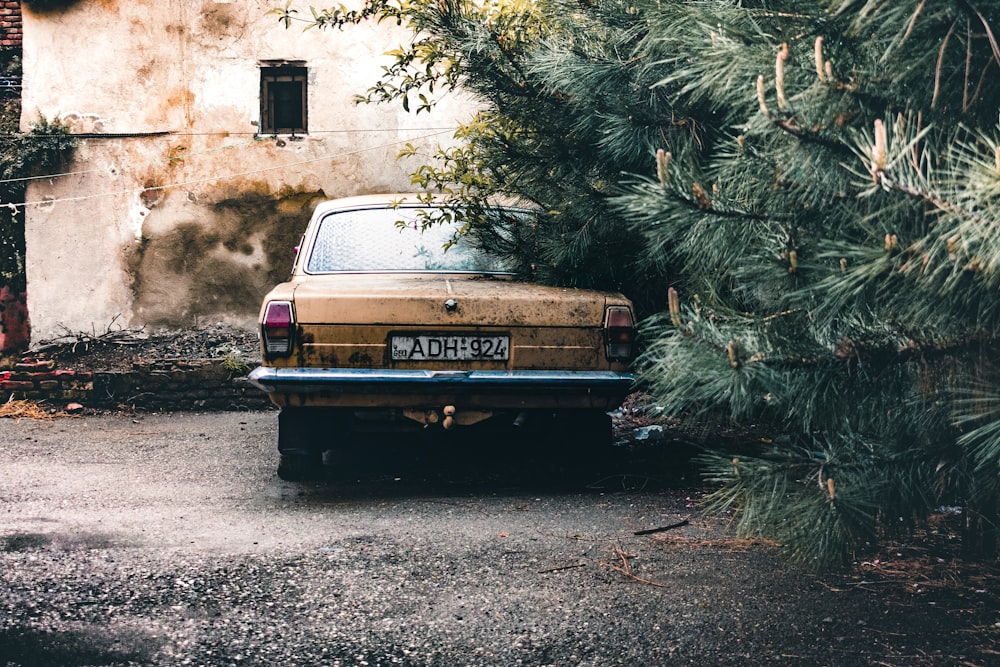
x,y
816,182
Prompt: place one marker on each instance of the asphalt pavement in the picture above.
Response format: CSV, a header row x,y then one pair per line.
x,y
167,539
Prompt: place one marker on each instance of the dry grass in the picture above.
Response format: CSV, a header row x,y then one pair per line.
x,y
13,409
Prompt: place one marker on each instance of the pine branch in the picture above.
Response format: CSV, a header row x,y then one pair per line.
x,y
789,126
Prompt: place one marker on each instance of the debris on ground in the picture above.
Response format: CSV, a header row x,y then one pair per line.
x,y
128,369
122,349
14,409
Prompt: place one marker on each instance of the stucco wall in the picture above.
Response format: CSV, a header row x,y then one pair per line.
x,y
194,225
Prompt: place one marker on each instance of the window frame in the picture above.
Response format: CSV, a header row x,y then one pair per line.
x,y
273,73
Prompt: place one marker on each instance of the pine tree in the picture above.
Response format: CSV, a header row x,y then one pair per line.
x,y
838,246
805,192
532,141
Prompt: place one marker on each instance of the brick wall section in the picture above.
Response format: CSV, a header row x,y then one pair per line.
x,y
11,34
159,386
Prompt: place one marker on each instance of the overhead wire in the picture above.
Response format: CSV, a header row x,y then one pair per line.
x,y
35,178
167,134
258,138
92,171
209,179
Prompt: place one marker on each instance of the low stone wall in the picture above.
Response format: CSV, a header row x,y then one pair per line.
x,y
164,385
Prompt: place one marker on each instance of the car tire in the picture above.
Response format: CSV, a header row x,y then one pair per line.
x,y
295,466
300,445
583,446
588,432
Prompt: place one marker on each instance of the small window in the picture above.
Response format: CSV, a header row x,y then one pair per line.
x,y
283,98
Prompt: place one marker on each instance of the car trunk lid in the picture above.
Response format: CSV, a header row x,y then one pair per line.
x,y
445,300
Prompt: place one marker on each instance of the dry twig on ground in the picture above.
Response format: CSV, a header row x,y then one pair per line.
x,y
626,568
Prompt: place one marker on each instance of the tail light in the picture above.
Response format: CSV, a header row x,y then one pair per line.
x,y
277,328
619,332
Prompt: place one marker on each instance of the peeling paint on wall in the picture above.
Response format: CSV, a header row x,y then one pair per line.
x,y
220,269
174,209
220,20
83,123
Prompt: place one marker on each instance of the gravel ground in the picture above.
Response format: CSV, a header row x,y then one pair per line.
x,y
166,539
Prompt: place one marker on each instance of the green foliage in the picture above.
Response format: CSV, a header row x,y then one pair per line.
x,y
232,360
42,150
817,185
838,251
530,142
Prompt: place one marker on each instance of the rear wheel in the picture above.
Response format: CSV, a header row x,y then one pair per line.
x,y
582,441
586,432
300,444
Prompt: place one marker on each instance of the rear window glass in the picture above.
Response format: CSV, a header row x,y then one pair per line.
x,y
392,239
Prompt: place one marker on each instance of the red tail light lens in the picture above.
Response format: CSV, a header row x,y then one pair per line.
x,y
278,327
619,332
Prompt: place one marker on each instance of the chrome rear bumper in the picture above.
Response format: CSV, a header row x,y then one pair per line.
x,y
405,388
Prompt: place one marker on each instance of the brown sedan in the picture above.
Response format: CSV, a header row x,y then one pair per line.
x,y
388,320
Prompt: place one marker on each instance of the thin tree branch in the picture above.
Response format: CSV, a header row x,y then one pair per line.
x,y
986,26
626,569
968,66
787,125
940,64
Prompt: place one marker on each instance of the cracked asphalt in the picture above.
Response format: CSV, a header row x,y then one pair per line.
x,y
167,539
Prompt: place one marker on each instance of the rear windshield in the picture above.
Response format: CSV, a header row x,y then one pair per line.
x,y
394,239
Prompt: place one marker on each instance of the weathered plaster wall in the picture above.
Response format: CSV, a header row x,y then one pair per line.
x,y
195,224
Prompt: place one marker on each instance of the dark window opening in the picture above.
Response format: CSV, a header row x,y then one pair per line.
x,y
283,99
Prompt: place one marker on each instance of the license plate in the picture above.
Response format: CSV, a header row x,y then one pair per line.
x,y
450,348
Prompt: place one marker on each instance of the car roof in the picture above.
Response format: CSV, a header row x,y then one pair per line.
x,y
394,199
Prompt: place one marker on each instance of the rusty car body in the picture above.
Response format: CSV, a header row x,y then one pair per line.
x,y
387,320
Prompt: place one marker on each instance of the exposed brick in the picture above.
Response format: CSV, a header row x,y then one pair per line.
x,y
10,25
71,395
16,385
35,365
202,385
77,385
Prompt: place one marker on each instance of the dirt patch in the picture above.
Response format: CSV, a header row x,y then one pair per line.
x,y
125,349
